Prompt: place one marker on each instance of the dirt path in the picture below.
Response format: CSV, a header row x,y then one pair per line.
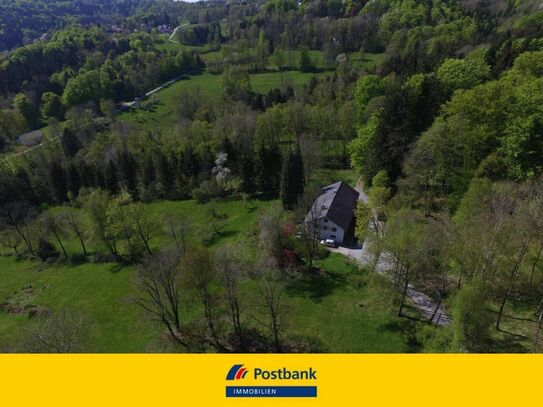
x,y
426,305
172,36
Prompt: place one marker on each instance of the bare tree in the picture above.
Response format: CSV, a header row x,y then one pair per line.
x,y
54,225
10,239
199,274
273,310
404,246
231,269
19,216
62,332
536,257
158,279
144,226
216,219
120,225
310,150
179,228
310,210
270,225
525,226
75,223
97,204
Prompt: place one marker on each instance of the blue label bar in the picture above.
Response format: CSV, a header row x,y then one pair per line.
x,y
271,391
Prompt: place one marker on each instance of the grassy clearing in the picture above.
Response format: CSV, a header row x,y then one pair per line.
x,y
366,61
162,115
333,309
100,291
341,307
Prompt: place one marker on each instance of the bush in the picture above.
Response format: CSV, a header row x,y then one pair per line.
x,y
305,64
435,339
78,258
471,321
46,250
206,191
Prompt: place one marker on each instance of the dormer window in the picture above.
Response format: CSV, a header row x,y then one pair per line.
x,y
323,207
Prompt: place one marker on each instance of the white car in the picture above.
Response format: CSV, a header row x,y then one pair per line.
x,y
329,243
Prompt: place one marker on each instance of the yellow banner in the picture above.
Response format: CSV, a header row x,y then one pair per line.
x,y
338,380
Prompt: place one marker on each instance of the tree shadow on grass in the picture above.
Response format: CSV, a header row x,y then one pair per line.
x,y
508,343
215,237
315,284
392,326
116,268
265,196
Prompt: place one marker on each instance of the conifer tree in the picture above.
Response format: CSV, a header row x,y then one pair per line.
x,y
268,171
70,143
110,179
74,180
247,173
57,175
292,178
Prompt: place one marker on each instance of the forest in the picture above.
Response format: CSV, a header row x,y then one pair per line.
x,y
181,151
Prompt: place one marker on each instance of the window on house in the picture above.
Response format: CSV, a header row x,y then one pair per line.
x,y
333,236
325,227
334,229
325,220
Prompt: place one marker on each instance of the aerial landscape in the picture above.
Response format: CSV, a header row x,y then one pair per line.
x,y
271,176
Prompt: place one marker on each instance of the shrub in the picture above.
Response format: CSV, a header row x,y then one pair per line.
x,y
206,191
471,321
46,250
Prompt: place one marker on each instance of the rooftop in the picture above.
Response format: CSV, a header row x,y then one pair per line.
x,y
337,203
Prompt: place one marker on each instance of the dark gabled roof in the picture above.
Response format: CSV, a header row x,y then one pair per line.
x,y
337,203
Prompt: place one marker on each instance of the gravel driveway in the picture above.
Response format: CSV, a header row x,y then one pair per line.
x,y
426,305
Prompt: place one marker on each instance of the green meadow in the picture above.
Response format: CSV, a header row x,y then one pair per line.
x,y
162,112
335,310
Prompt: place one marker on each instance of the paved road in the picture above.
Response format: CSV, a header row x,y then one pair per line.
x,y
126,105
421,301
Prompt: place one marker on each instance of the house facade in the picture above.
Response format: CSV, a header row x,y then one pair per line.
x,y
332,213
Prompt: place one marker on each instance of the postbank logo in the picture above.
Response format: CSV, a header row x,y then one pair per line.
x,y
292,380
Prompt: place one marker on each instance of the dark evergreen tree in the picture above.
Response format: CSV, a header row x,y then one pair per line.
x,y
87,174
57,176
190,162
405,115
100,178
74,180
247,172
228,148
292,178
148,172
111,180
128,171
70,143
268,169
163,171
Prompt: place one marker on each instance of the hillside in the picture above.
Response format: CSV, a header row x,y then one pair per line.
x,y
167,206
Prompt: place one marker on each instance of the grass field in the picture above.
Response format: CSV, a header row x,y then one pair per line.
x,y
324,308
367,60
162,114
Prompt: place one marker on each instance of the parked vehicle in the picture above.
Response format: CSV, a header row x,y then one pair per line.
x,y
329,243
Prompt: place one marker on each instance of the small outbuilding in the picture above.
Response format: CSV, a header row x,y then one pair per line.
x,y
30,139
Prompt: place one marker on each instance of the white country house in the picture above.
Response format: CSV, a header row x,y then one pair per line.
x,y
332,213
